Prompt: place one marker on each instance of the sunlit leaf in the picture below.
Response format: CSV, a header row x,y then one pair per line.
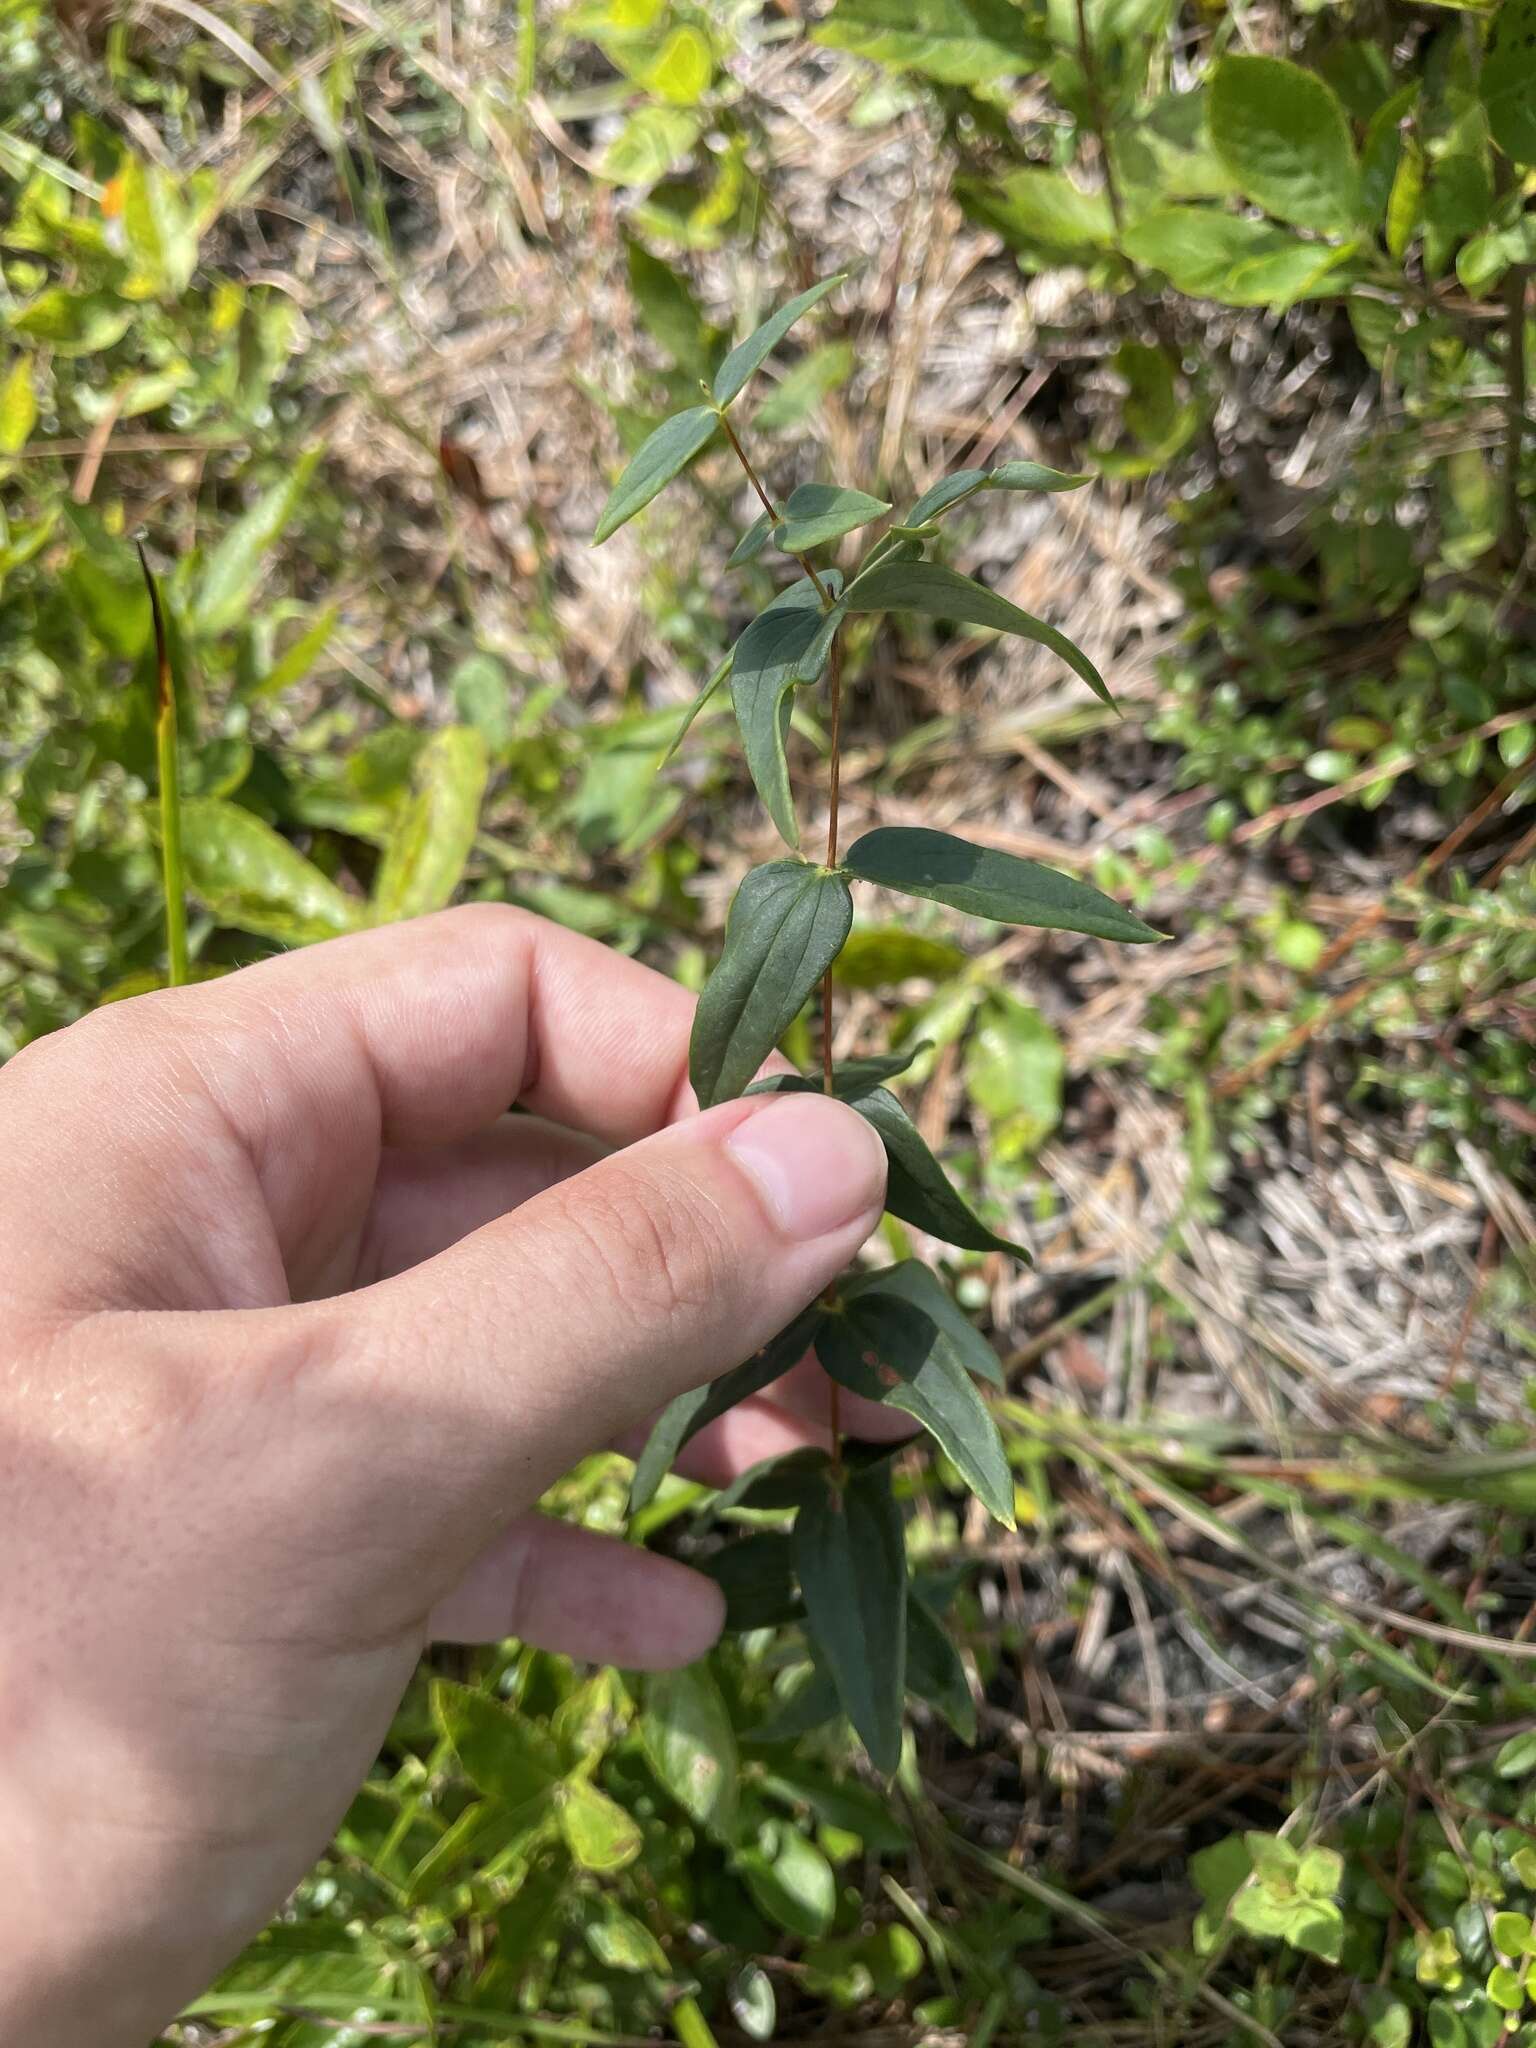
x,y
688,1737
232,572
254,881
1283,134
817,513
425,859
986,883
600,1835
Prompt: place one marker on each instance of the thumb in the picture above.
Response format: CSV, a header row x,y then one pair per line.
x,y
542,1335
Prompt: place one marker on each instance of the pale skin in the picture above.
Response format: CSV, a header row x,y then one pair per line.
x,y
296,1325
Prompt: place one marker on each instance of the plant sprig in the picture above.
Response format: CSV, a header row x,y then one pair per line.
x,y
892,1336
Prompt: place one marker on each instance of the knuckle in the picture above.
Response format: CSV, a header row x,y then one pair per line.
x,y
657,1242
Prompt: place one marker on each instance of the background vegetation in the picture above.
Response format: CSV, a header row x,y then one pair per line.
x,y
353,312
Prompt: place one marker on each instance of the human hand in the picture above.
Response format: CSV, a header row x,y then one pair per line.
x,y
295,1327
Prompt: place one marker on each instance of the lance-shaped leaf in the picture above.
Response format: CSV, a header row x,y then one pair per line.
x,y
254,881
784,645
434,835
784,931
919,1285
850,1554
658,459
880,1346
231,573
986,883
688,1738
746,356
752,542
721,671
687,1414
817,513
945,594
916,1187
965,483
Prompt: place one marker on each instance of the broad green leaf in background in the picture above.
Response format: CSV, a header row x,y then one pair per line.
x,y
509,1758
1015,1068
804,385
1230,258
429,848
1042,214
659,458
1508,80
159,230
747,355
74,323
620,1941
684,1416
1284,135
668,310
648,145
880,1346
18,405
986,883
784,930
817,513
600,1835
687,1735
946,594
232,572
254,881
881,956
850,1551
790,1879
681,70
955,42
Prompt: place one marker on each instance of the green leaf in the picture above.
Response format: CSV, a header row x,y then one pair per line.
x,y
919,1285
986,883
1015,1068
687,1735
916,1188
511,1760
1512,1932
965,483
841,1803
1317,1929
620,1941
232,571
955,42
430,845
804,385
747,355
18,406
854,1077
600,1835
648,145
817,513
757,1577
1517,1758
785,928
790,1880
721,672
935,1671
682,70
946,594
881,956
1283,134
74,323
882,1347
659,458
1320,1873
688,1413
1508,80
1042,214
850,1553
1232,259
254,881
1505,1988
752,542
784,645
669,312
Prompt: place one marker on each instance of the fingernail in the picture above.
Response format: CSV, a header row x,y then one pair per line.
x,y
816,1164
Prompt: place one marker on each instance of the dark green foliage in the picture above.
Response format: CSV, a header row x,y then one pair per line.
x,y
850,1553
786,925
986,883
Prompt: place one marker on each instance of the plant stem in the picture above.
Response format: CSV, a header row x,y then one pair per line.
x,y
1100,117
1515,283
835,689
177,964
